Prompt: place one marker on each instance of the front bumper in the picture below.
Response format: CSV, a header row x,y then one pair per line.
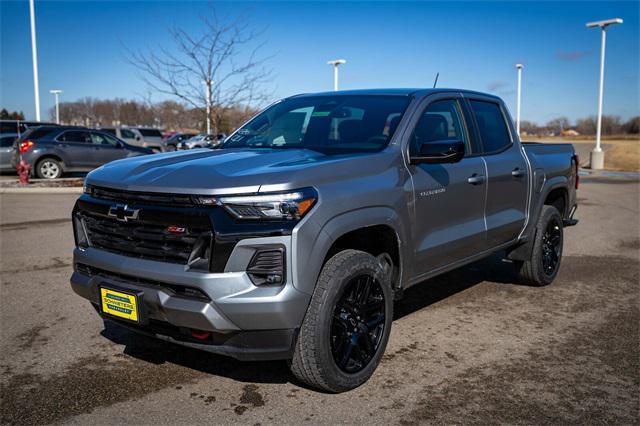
x,y
252,321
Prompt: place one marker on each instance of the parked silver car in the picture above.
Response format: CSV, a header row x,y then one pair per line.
x,y
6,151
202,140
152,138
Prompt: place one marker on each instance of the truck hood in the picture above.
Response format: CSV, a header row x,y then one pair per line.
x,y
231,171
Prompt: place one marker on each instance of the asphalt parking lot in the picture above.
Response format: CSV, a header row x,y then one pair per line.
x,y
472,346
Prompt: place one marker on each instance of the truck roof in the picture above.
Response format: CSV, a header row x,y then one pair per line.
x,y
393,91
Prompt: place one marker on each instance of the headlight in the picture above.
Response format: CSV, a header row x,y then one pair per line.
x,y
277,206
87,189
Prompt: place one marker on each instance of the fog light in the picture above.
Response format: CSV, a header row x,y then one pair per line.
x,y
267,266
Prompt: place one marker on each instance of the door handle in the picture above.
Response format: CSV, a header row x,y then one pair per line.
x,y
476,179
517,172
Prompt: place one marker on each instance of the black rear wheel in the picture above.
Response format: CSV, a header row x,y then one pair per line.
x,y
544,264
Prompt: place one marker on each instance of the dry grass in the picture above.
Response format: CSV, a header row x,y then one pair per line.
x,y
621,153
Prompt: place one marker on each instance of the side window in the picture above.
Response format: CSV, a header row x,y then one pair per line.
x,y
100,139
7,141
127,134
75,136
441,120
491,125
8,127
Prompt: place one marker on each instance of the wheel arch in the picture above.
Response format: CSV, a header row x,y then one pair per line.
x,y
370,229
52,156
553,193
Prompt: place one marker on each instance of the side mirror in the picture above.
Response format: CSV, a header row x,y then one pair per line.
x,y
120,144
137,138
434,152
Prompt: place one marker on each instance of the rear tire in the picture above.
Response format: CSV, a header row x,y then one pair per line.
x,y
171,148
48,168
544,264
346,328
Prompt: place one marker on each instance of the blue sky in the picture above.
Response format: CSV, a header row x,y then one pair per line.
x,y
474,45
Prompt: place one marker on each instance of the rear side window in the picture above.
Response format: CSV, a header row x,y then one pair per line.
x,y
38,132
150,132
491,125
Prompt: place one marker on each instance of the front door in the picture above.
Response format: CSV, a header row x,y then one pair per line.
x,y
449,198
106,149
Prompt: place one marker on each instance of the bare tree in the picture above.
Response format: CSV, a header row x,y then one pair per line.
x,y
219,69
559,125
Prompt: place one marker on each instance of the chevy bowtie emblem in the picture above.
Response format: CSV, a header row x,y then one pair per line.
x,y
123,213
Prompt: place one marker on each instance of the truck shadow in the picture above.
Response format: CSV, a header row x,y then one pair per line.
x,y
415,298
428,292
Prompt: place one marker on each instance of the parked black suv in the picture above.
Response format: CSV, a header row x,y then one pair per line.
x,y
52,150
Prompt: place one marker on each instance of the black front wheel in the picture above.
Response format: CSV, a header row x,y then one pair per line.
x,y
346,328
544,264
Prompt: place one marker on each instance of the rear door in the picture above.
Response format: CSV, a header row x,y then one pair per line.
x,y
507,171
449,198
77,149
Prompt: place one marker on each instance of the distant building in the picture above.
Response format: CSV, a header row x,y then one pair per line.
x,y
570,132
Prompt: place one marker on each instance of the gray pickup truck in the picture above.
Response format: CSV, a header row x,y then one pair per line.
x,y
293,240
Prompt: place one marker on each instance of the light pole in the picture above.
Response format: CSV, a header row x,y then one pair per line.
x,y
34,54
208,84
336,63
519,97
56,93
597,155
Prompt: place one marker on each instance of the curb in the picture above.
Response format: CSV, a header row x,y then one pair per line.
x,y
67,190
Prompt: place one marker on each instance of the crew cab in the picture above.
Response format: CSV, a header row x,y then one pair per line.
x,y
292,240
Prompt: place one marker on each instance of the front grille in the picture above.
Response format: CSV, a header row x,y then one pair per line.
x,y
146,240
176,289
148,198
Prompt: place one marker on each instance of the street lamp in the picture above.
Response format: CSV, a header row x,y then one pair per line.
x,y
597,155
519,97
56,93
336,63
34,54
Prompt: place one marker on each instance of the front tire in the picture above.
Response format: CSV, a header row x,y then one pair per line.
x,y
544,264
48,168
346,328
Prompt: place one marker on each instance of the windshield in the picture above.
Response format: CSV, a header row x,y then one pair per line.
x,y
329,124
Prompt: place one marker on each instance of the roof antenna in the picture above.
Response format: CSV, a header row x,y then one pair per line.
x,y
436,80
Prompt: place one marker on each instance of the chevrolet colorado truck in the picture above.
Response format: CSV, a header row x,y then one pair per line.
x,y
292,240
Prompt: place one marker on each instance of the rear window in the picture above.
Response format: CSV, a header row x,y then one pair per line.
x,y
7,141
150,132
38,132
491,124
